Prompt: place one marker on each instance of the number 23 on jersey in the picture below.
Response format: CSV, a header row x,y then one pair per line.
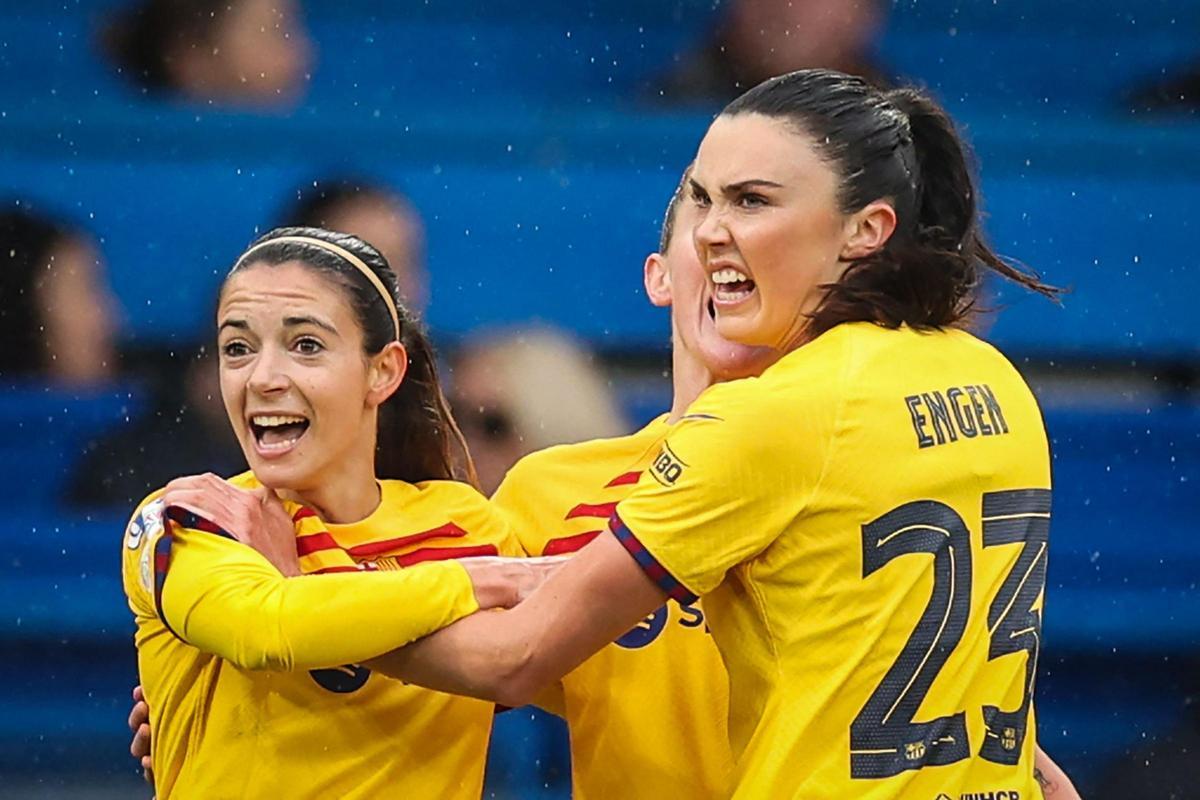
x,y
884,739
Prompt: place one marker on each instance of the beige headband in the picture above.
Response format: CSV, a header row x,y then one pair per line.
x,y
346,255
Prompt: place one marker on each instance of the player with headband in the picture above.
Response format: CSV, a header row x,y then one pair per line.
x,y
334,396
664,675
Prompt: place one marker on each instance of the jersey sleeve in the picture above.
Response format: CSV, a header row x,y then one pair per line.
x,y
137,556
731,475
225,598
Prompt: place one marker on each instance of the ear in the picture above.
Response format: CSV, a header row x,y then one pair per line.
x,y
868,230
657,280
385,373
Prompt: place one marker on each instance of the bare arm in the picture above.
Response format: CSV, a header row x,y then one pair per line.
x,y
1053,781
508,656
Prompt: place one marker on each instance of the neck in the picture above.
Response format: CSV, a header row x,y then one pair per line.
x,y
689,377
348,493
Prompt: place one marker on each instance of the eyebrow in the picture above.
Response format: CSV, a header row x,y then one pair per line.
x,y
753,183
309,320
741,186
240,324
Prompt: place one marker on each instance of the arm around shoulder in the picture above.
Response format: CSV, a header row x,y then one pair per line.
x,y
224,598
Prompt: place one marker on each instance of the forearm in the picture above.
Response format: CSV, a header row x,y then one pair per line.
x,y
232,603
1050,777
509,656
481,656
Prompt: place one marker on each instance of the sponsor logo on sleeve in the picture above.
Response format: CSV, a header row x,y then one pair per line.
x,y
667,467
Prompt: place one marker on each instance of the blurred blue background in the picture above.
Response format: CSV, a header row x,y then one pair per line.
x,y
530,138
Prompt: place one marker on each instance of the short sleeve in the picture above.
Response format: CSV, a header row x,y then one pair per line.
x,y
737,469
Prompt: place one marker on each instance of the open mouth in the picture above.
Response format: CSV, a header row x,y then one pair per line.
x,y
277,432
731,286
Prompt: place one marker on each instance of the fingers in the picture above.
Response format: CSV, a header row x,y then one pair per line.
x,y
232,509
138,695
202,503
138,715
140,746
185,482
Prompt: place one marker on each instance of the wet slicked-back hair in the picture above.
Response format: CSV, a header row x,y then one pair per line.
x,y
672,212
901,146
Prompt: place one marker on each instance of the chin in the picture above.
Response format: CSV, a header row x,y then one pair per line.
x,y
277,477
740,331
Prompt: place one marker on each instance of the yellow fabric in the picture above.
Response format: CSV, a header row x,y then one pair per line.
x,y
759,500
223,730
647,715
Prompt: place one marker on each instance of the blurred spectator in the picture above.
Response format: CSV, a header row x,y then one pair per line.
x,y
521,391
238,52
184,433
1177,91
58,316
758,39
376,214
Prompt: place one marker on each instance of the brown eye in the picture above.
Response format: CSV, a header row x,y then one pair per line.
x,y
309,346
752,201
234,349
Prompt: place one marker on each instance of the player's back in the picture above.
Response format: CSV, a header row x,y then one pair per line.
x,y
880,631
627,703
223,731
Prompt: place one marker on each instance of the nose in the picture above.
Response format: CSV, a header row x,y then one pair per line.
x,y
268,375
710,232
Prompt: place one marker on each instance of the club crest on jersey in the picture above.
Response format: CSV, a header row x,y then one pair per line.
x,y
667,467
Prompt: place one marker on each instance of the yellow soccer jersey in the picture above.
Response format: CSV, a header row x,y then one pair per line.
x,y
868,524
225,729
647,714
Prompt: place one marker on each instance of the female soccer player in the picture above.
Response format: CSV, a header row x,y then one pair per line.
x,y
869,518
327,383
665,674
625,703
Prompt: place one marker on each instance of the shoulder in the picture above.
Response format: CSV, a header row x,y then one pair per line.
x,y
478,519
147,519
446,494
566,461
245,480
461,502
139,541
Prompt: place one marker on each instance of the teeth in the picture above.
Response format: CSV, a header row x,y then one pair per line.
x,y
729,275
266,421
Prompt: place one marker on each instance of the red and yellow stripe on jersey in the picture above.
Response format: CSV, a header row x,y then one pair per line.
x,y
867,523
647,714
225,726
